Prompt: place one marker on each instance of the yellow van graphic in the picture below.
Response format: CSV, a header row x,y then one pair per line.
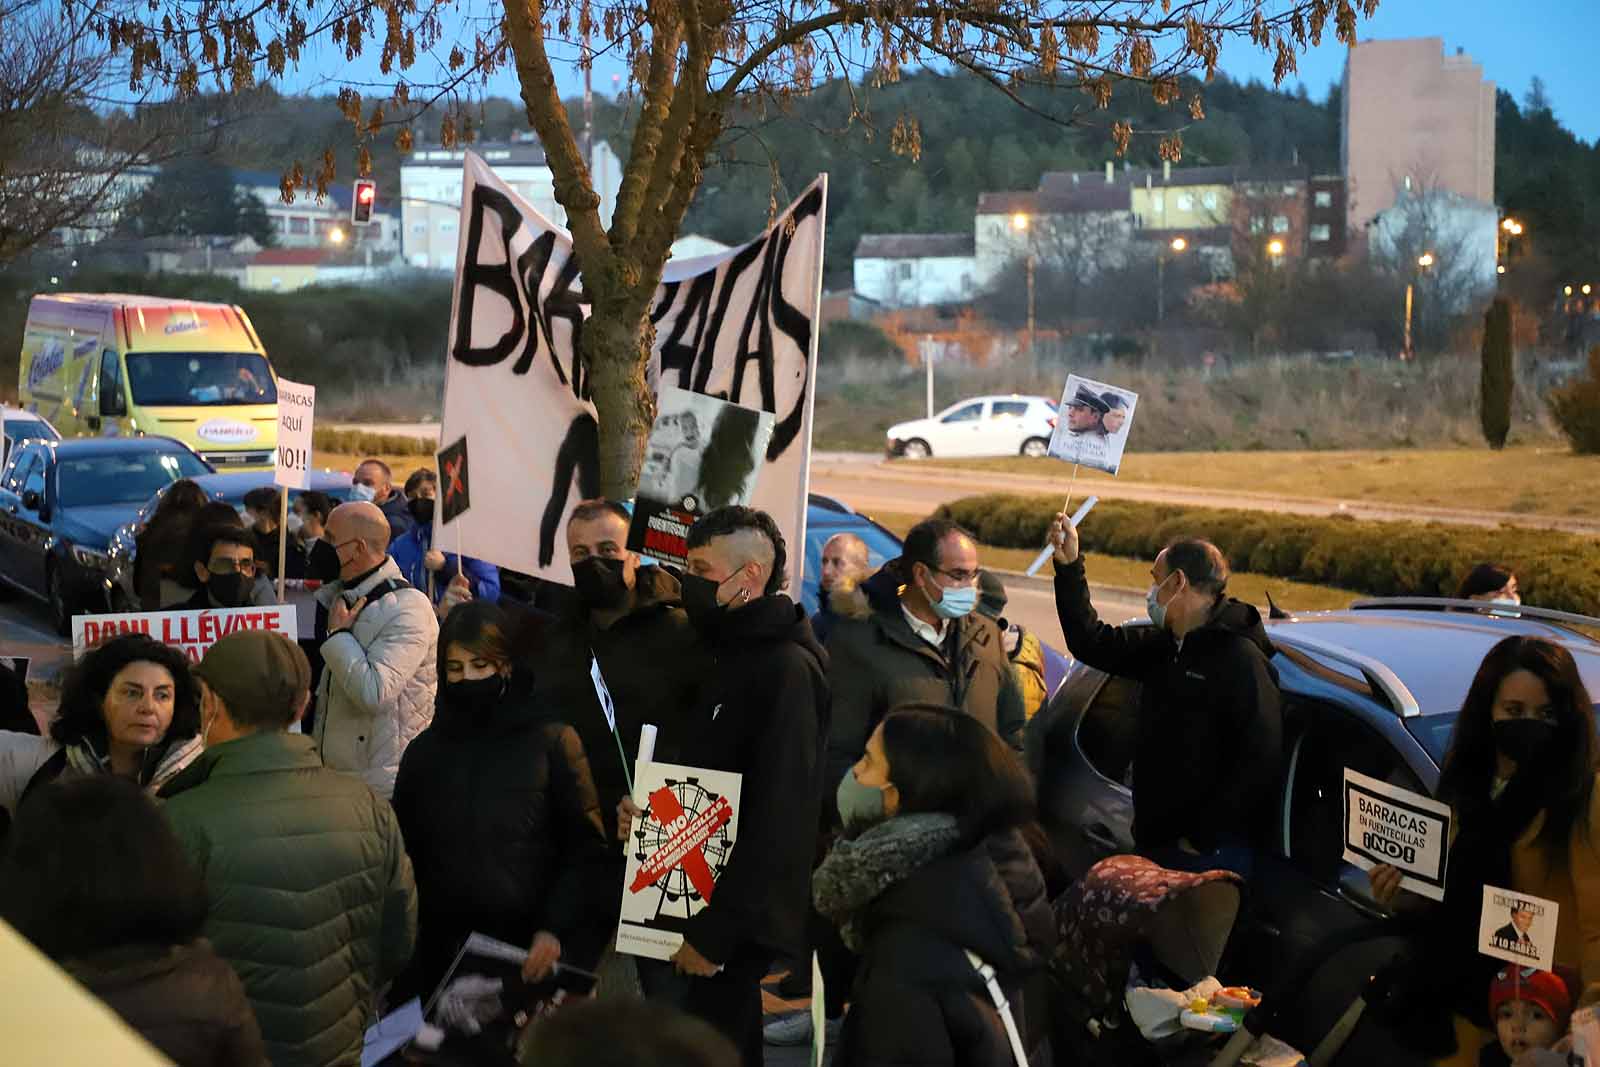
x,y
114,365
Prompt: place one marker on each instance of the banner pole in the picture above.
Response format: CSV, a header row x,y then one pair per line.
x,y
798,561
1071,483
283,534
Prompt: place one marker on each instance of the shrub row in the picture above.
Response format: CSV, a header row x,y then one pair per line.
x,y
361,443
1554,570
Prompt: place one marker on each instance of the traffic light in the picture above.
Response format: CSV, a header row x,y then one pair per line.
x,y
366,195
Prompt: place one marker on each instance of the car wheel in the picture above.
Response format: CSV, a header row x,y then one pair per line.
x,y
60,612
1036,448
916,448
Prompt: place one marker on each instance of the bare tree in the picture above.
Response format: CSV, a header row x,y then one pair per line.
x,y
690,62
1442,245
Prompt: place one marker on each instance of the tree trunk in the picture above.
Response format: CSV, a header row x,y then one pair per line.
x,y
616,345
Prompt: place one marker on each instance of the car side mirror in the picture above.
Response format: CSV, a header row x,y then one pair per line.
x,y
31,500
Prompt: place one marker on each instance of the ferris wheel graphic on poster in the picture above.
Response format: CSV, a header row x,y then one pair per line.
x,y
678,895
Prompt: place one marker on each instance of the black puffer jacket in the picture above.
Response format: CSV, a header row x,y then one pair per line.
x,y
917,999
185,1000
499,815
1210,736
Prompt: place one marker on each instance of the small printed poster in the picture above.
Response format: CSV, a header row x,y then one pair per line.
x,y
703,454
1518,928
190,632
1385,824
453,482
1092,424
676,851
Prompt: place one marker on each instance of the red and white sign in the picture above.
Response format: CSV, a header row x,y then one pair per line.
x,y
191,632
676,852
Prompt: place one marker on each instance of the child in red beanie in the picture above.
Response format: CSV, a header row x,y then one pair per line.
x,y
1530,1010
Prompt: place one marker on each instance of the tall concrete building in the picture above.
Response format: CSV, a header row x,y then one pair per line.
x,y
1411,111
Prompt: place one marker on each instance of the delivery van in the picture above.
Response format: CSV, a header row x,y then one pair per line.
x,y
111,365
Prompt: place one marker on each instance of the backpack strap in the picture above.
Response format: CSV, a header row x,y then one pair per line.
x,y
1003,1006
48,772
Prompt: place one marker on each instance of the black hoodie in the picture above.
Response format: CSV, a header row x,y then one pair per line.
x,y
1210,716
762,712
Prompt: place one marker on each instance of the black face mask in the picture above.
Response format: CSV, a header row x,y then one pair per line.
x,y
700,602
229,590
421,510
600,583
1526,741
475,696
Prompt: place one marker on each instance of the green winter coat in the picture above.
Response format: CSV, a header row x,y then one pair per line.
x,y
311,893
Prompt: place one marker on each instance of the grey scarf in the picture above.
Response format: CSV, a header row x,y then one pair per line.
x,y
859,870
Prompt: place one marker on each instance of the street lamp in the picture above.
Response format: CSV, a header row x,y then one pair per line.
x,y
1587,289
1275,248
336,235
1424,261
1566,291
1178,245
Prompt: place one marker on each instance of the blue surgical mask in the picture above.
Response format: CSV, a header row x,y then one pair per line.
x,y
1158,610
363,492
858,803
957,603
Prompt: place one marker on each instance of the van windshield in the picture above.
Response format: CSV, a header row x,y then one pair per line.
x,y
184,379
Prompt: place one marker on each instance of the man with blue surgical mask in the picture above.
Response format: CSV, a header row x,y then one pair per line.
x,y
1210,719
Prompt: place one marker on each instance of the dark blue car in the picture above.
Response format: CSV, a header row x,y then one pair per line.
x,y
62,501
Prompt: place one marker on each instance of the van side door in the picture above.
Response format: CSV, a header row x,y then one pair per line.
x,y
113,396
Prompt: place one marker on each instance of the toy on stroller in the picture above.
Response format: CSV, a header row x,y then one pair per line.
x,y
1135,938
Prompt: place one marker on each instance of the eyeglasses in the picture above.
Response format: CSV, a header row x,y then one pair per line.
x,y
229,566
959,577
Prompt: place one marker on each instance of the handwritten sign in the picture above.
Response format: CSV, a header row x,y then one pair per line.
x,y
296,405
1518,928
190,632
1385,824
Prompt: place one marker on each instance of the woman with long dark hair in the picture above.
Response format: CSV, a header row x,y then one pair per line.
x,y
128,708
933,866
1520,779
97,880
500,816
161,574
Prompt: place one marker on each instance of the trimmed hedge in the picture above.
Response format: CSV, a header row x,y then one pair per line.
x,y
1554,570
361,443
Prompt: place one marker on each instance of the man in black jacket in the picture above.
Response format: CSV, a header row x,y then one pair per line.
x,y
629,618
762,713
1210,732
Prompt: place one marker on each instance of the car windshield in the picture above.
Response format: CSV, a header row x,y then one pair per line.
x,y
22,429
121,477
184,379
1435,731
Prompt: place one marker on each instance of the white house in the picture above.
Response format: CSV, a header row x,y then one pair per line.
x,y
1083,228
430,192
898,270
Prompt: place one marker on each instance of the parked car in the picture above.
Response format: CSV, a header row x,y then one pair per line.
x,y
826,517
1375,688
17,424
229,488
60,504
981,426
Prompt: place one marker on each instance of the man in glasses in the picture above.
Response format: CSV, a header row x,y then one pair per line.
x,y
226,569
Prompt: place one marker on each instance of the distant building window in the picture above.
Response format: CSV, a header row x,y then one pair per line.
x,y
1321,232
277,283
1324,198
1158,200
281,223
447,225
300,226
1210,201
1258,224
1280,224
903,271
419,227
1289,190
1185,202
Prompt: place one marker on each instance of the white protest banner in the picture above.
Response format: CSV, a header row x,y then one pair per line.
x,y
296,407
740,325
703,454
1517,927
1092,424
1384,823
676,851
190,632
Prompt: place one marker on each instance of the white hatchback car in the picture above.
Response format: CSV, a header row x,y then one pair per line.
x,y
981,426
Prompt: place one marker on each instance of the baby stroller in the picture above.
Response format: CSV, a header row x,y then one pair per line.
x,y
1129,918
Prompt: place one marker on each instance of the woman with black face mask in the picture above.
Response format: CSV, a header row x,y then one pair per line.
x,y
1520,780
500,816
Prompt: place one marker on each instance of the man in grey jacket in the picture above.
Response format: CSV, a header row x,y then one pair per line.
x,y
380,654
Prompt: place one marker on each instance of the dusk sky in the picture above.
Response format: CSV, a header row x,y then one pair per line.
x,y
1548,38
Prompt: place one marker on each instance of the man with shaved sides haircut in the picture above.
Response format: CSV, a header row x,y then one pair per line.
x,y
762,712
378,682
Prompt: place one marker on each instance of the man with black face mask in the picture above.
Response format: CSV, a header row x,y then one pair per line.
x,y
226,570
763,713
631,619
430,570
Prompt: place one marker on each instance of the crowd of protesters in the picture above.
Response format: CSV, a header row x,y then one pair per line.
x,y
244,889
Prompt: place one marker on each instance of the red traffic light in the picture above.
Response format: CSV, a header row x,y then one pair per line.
x,y
361,205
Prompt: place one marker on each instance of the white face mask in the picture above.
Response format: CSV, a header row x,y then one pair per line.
x,y
363,492
294,523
